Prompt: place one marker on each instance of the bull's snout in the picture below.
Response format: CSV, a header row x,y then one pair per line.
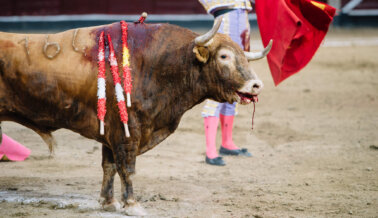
x,y
250,91
256,86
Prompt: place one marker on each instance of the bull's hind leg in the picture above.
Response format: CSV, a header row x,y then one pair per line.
x,y
108,201
125,162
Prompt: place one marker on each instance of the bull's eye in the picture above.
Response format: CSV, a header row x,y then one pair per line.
x,y
225,56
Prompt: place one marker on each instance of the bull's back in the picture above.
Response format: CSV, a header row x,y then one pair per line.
x,y
41,90
26,56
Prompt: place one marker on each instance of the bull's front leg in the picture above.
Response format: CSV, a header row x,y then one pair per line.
x,y
125,158
109,203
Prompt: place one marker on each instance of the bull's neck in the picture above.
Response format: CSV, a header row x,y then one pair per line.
x,y
174,83
169,79
181,79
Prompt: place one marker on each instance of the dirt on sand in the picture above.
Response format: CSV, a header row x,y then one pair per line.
x,y
313,144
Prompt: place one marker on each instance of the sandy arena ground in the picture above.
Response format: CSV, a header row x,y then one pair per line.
x,y
314,151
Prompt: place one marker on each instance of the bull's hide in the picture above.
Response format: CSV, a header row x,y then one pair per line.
x,y
49,81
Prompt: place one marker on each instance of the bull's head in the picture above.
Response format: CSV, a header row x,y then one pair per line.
x,y
229,76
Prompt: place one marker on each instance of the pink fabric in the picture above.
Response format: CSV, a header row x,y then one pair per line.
x,y
13,150
211,126
226,124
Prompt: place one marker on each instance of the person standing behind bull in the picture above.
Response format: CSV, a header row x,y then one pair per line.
x,y
235,24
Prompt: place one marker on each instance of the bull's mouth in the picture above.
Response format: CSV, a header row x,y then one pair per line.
x,y
246,98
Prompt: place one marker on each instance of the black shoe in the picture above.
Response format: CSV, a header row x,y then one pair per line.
x,y
236,152
218,161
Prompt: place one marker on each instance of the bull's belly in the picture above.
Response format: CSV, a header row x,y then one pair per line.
x,y
156,138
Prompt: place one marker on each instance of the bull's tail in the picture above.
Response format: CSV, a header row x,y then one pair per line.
x,y
49,140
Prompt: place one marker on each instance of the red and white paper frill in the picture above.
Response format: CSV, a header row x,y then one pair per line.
x,y
127,85
118,88
101,83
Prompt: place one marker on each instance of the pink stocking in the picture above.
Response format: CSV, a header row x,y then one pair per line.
x,y
227,124
211,126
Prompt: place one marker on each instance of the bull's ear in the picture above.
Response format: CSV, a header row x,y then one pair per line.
x,y
202,53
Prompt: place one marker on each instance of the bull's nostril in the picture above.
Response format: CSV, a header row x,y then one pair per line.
x,y
256,86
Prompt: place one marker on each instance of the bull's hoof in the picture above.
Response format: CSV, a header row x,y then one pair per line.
x,y
135,210
111,206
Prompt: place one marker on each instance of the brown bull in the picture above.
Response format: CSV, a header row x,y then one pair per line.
x,y
46,86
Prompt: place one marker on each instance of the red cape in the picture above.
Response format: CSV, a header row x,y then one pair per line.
x,y
297,28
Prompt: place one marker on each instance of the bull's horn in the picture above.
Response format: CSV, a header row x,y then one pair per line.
x,y
203,39
252,56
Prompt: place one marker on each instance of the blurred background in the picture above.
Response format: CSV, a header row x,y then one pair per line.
x,y
21,15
